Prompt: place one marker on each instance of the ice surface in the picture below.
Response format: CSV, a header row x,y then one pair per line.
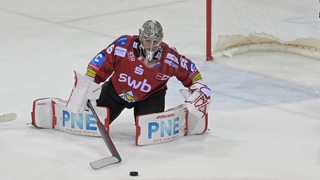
x,y
264,119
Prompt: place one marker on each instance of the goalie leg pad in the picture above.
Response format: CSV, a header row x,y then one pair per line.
x,y
161,127
196,125
169,125
41,114
53,113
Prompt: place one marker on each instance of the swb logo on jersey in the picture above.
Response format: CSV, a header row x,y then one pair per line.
x,y
141,85
162,77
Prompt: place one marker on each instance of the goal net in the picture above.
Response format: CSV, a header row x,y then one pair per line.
x,y
239,26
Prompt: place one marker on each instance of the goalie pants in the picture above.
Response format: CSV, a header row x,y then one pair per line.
x,y
109,98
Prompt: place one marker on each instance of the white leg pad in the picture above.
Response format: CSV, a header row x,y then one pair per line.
x,y
196,124
53,113
161,127
169,125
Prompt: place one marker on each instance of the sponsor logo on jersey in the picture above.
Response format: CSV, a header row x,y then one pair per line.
x,y
138,70
170,63
154,65
131,56
119,51
172,58
143,86
135,45
128,96
122,40
162,77
98,60
192,68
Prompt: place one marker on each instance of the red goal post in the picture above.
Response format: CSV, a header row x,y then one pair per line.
x,y
234,27
208,30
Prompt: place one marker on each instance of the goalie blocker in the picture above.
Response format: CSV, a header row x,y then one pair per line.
x,y
150,129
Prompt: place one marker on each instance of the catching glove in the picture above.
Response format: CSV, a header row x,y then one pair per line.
x,y
197,99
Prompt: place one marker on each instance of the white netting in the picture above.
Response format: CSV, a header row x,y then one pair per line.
x,y
246,25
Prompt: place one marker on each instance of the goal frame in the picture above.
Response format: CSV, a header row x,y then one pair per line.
x,y
209,56
306,44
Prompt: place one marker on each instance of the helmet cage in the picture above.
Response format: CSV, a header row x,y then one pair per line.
x,y
150,30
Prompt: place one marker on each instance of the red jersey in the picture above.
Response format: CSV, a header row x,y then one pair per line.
x,y
132,78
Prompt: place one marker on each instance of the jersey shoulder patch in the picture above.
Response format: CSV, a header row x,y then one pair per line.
x,y
98,59
122,41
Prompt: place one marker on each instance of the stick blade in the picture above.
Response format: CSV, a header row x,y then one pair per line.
x,y
104,162
8,117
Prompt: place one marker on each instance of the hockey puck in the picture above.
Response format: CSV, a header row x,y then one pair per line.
x,y
133,173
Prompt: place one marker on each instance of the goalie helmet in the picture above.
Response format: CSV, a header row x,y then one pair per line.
x,y
150,35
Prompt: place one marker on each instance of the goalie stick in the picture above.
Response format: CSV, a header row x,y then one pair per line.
x,y
115,158
8,117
